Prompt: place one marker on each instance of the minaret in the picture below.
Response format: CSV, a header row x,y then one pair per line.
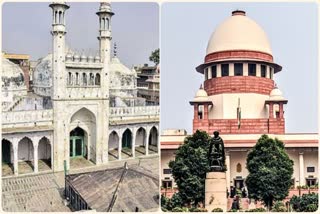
x,y
58,48
104,38
59,84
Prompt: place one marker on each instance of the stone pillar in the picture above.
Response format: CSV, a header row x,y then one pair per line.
x,y
120,147
215,191
147,142
195,116
281,110
228,172
15,160
35,158
271,111
133,143
301,169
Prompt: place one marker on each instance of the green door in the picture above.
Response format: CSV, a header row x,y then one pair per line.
x,y
76,146
126,139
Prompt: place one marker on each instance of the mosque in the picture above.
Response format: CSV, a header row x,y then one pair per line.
x,y
77,107
241,100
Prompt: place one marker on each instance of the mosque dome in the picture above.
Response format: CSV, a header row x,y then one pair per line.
x,y
238,32
11,72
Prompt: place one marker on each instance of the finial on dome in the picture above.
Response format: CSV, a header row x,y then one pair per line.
x,y
201,87
238,13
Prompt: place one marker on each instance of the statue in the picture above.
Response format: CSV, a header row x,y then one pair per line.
x,y
216,154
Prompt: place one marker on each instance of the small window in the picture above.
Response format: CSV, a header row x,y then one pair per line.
x,y
310,169
206,73
271,73
238,69
167,171
252,69
225,70
263,71
213,71
310,181
166,184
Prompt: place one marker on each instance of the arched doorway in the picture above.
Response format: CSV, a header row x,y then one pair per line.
x,y
44,154
126,144
153,140
25,156
7,155
140,142
82,140
113,146
77,146
127,139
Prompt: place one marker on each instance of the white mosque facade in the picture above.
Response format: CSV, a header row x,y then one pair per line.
x,y
79,106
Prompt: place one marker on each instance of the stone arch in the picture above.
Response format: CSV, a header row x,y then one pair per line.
x,y
44,151
113,145
97,79
7,151
127,139
141,137
113,140
7,157
153,139
26,152
85,120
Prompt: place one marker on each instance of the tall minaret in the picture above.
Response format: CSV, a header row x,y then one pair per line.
x,y
58,48
59,85
104,38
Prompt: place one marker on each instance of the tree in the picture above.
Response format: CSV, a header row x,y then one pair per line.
x,y
270,171
154,57
190,166
305,203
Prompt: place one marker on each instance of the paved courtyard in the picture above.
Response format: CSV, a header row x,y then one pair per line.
x,y
44,192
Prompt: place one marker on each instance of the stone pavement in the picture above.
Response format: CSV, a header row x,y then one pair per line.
x,y
44,192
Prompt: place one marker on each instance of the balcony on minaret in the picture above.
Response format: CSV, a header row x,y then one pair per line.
x,y
276,111
201,105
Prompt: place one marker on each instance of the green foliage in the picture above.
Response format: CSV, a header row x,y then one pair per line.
x,y
154,57
170,203
217,210
177,209
279,207
190,166
194,209
270,171
257,210
305,203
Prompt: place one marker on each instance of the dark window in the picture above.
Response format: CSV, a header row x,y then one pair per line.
x,y
310,169
311,181
206,73
271,76
225,70
252,69
167,184
263,71
213,71
238,69
167,171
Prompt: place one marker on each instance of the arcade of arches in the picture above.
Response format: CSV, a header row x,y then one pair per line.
x,y
132,142
31,154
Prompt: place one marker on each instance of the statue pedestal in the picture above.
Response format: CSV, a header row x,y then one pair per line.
x,y
216,191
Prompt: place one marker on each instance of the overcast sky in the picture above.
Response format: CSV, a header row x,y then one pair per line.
x,y
135,29
292,31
